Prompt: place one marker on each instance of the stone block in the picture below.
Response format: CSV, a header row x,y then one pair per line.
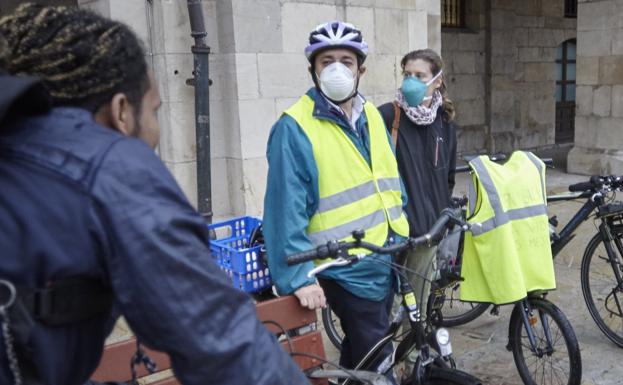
x,y
185,173
503,65
225,26
480,62
171,27
247,76
221,195
236,186
585,131
529,21
464,63
434,32
225,129
398,4
529,8
587,70
554,9
283,75
211,23
583,100
466,87
529,54
617,101
471,139
502,4
609,133
541,111
594,43
617,42
299,19
449,42
282,104
500,43
177,132
582,161
502,19
471,41
257,25
548,54
256,119
255,171
363,18
597,15
602,99
380,76
502,102
171,71
470,112
539,72
611,70
502,83
522,37
132,13
558,22
223,75
505,141
418,30
391,31
542,37
327,2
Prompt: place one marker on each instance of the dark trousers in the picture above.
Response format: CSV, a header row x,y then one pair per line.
x,y
363,321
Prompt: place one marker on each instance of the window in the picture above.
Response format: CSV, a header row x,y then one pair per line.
x,y
565,72
571,8
453,13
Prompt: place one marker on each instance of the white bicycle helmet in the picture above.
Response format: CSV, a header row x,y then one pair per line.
x,y
336,34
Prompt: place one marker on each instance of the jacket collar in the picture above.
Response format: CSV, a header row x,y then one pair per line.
x,y
325,110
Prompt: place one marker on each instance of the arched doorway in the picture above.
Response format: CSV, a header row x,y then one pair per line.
x,y
565,91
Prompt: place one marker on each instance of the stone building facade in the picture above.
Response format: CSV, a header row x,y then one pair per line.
x,y
501,72
258,69
599,120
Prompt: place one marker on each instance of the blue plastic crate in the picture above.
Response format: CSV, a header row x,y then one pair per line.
x,y
230,250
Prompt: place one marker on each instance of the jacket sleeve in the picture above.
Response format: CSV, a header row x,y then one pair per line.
x,y
290,201
166,285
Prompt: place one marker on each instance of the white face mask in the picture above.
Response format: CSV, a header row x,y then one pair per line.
x,y
337,82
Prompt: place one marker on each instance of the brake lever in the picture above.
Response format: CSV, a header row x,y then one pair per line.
x,y
336,262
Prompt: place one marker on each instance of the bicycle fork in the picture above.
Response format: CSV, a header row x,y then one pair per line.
x,y
529,320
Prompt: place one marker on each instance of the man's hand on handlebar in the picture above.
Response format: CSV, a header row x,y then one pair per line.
x,y
311,297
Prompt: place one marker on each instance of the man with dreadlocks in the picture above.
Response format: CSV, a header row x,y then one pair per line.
x,y
91,219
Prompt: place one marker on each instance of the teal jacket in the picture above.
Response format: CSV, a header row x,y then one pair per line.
x,y
292,198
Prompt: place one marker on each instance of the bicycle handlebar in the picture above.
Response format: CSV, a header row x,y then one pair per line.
x,y
333,249
597,183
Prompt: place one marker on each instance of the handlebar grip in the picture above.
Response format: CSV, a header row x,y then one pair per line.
x,y
582,186
304,256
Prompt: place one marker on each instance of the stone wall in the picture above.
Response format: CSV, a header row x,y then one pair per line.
x,y
501,73
258,69
464,54
599,114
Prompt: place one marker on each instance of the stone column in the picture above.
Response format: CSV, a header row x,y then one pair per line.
x,y
599,113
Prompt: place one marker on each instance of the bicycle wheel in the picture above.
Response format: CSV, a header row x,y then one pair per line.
x,y
456,312
446,376
602,294
332,327
556,364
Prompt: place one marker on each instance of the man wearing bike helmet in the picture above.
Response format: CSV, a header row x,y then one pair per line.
x,y
332,170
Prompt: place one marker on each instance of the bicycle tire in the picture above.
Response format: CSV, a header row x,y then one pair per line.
x,y
519,343
329,321
455,312
446,376
597,270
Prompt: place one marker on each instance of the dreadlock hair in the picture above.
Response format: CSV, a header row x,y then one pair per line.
x,y
83,59
436,65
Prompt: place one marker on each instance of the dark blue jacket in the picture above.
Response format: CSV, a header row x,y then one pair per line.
x,y
79,199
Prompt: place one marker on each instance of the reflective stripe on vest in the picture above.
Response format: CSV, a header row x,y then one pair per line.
x,y
502,217
352,195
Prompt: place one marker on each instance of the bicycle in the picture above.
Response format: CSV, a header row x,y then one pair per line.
x,y
433,366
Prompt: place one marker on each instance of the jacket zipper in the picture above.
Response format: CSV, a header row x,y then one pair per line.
x,y
439,139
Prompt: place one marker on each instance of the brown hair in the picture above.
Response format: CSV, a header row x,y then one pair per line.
x,y
436,65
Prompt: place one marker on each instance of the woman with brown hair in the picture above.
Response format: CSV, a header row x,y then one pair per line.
x,y
420,122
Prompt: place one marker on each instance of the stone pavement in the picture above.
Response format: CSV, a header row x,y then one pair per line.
x,y
479,346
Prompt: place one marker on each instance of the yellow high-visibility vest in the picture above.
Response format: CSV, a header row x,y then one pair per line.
x,y
507,254
353,195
